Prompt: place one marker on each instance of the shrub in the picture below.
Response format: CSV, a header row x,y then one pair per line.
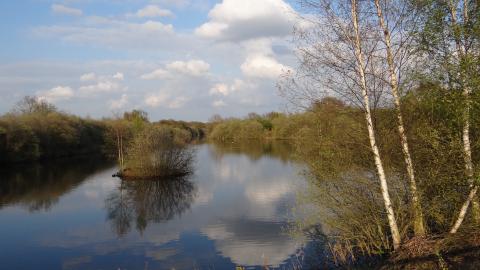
x,y
157,153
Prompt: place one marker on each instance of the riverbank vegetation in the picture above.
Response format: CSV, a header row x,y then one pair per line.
x,y
37,130
409,70
393,157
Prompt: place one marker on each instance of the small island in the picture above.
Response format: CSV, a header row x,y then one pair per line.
x,y
156,153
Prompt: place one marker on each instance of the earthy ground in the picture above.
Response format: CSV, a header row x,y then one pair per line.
x,y
459,251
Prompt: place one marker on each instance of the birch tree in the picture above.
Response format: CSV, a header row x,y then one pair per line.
x,y
394,18
460,10
371,132
338,55
450,38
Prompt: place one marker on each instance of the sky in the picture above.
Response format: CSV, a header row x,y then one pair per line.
x,y
175,59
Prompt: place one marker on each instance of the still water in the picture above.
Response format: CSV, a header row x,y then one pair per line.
x,y
233,211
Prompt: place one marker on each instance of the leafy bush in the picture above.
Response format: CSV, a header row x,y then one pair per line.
x,y
156,152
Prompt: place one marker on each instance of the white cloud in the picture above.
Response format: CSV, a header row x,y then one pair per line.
x,y
220,89
152,11
101,83
155,100
261,66
153,26
156,74
178,102
236,87
56,94
61,9
241,85
110,33
266,194
219,103
118,76
165,100
193,68
88,77
120,103
101,86
248,19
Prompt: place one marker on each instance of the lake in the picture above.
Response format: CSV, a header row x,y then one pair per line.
x,y
233,211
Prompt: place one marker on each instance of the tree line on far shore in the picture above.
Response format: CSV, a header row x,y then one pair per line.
x,y
37,130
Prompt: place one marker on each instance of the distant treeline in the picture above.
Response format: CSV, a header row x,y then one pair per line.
x,y
37,130
274,125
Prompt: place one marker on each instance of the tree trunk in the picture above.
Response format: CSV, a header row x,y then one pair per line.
x,y
119,154
467,149
371,132
463,210
418,223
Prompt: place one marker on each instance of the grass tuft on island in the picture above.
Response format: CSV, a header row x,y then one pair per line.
x,y
157,153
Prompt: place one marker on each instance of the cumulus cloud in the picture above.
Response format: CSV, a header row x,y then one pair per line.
x,y
219,103
156,74
61,9
120,103
236,20
112,33
163,99
245,82
88,77
118,76
193,68
101,84
242,92
104,86
261,66
152,11
220,89
155,100
242,85
56,94
177,102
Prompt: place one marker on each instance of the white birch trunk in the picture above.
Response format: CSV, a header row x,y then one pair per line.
x,y
467,149
419,228
371,132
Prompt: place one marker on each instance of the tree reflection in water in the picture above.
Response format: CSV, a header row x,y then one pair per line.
x,y
39,186
148,201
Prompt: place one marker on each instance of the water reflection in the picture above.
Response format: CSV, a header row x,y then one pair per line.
x,y
254,149
39,186
148,201
233,211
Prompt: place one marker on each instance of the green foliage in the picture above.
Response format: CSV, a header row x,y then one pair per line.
x,y
37,130
343,183
33,105
157,152
236,129
21,141
191,130
44,135
138,120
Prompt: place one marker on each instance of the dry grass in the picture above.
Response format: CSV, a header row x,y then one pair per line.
x,y
458,251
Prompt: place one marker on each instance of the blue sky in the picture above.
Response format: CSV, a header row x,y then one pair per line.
x,y
180,59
